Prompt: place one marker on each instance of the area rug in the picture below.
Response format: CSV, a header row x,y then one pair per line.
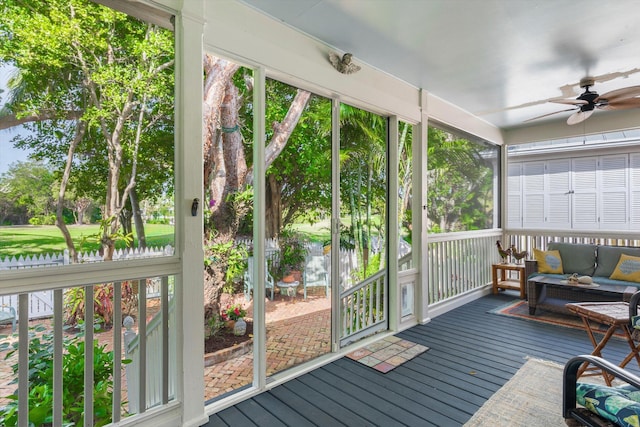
x,y
531,398
520,310
387,354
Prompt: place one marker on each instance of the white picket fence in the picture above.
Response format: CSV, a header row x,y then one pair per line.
x,y
62,258
41,303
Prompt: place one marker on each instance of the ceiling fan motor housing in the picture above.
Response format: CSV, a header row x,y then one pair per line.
x,y
590,97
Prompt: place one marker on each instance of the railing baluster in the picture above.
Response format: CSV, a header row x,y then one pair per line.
x,y
117,351
88,356
142,348
57,357
164,304
23,360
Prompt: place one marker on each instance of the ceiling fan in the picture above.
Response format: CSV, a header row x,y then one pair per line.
x,y
585,104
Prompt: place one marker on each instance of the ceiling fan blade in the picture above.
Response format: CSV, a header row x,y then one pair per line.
x,y
621,104
579,117
569,101
624,93
549,114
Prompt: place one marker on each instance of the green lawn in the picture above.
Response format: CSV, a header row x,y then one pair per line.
x,y
30,240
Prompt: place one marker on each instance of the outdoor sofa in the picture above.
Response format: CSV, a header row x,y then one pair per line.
x,y
603,263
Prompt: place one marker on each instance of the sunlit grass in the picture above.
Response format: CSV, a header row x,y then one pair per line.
x,y
36,240
318,232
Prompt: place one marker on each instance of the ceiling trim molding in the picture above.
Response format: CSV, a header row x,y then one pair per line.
x,y
142,11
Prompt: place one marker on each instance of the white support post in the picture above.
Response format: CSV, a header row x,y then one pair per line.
x,y
336,310
259,273
419,215
392,226
189,293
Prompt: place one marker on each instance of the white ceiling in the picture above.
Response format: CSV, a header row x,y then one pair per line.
x,y
498,59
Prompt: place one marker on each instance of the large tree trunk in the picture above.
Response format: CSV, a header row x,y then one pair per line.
x,y
230,168
225,167
273,208
80,130
137,219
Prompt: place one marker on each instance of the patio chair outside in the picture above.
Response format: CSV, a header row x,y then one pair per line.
x,y
249,282
8,315
315,274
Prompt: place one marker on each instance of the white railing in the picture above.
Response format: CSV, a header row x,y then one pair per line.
x,y
363,310
538,239
41,303
155,376
460,262
158,349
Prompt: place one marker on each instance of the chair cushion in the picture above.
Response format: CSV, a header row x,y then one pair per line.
x,y
548,261
576,257
617,404
628,268
608,257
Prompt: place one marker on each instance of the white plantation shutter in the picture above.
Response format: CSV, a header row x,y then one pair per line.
x,y
533,195
514,196
585,194
634,171
614,192
558,186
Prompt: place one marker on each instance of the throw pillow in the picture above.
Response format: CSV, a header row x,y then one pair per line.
x,y
548,261
628,269
608,257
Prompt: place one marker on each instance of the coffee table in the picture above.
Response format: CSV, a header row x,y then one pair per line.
x,y
616,316
552,294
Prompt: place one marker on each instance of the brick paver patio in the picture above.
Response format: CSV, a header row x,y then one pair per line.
x,y
297,331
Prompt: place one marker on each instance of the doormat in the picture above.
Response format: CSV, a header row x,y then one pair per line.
x,y
387,354
520,310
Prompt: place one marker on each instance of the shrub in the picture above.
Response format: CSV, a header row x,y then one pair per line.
x,y
41,382
74,303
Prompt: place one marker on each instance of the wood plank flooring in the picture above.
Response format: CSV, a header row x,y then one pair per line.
x,y
472,354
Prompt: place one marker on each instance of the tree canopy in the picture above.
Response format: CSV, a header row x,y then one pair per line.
x,y
95,89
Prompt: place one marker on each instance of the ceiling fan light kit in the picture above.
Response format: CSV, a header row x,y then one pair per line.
x,y
588,101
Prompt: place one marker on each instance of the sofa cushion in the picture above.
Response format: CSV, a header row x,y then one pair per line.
x,y
576,257
617,404
608,257
548,261
628,268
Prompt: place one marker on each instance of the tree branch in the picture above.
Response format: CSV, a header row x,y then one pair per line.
x,y
10,120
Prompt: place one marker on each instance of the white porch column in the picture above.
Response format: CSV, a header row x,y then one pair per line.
x,y
392,226
189,28
419,215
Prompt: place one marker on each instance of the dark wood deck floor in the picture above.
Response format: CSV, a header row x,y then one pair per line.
x,y
472,354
